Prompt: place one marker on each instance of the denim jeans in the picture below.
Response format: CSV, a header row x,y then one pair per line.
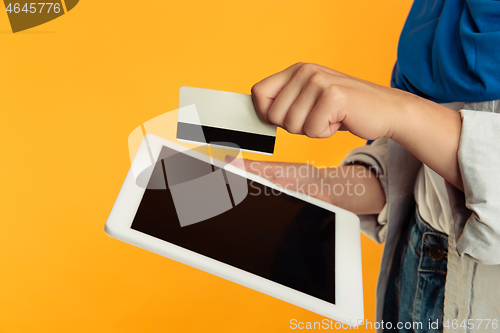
x,y
415,293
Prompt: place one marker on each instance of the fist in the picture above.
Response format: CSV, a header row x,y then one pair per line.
x,y
313,100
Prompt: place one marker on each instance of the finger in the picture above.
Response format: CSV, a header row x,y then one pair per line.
x,y
298,177
326,117
265,91
266,169
277,172
287,97
298,112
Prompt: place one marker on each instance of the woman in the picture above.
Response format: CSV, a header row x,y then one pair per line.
x,y
436,143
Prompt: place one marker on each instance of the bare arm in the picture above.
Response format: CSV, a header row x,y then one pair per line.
x,y
431,132
315,101
354,187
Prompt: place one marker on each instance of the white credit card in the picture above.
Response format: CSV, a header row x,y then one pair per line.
x,y
223,118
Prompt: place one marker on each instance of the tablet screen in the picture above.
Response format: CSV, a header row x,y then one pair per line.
x,y
269,233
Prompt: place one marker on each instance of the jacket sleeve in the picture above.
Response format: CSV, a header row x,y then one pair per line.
x,y
477,232
375,156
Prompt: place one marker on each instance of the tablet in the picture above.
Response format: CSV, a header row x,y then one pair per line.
x,y
279,242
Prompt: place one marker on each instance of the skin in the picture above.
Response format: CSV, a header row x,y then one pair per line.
x,y
316,101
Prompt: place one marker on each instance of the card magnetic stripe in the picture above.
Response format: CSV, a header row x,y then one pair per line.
x,y
208,134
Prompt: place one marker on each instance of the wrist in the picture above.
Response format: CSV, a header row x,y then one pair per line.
x,y
403,117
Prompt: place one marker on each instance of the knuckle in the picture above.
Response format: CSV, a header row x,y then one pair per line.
x,y
307,69
317,79
256,89
292,131
335,92
273,117
291,127
311,131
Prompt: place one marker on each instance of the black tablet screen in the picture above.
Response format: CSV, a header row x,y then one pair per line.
x,y
269,233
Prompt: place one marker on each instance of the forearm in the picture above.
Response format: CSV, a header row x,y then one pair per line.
x,y
353,187
360,190
431,132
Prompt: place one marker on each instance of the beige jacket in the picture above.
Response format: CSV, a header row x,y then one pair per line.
x,y
472,290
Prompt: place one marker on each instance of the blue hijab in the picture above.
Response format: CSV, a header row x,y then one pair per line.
x,y
449,51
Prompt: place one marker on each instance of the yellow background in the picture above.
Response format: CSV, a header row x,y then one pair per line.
x,y
73,89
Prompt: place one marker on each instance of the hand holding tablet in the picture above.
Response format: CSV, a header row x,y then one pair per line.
x,y
277,241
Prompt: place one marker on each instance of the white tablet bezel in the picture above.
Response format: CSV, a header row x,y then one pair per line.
x,y
348,307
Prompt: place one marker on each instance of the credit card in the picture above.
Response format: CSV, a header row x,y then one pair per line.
x,y
223,118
